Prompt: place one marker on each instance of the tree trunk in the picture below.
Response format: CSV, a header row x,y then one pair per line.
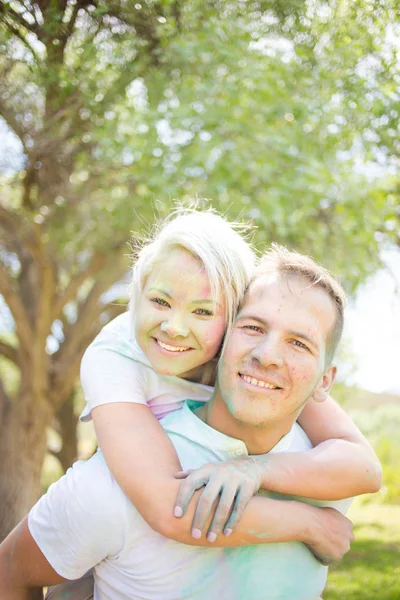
x,y
22,450
67,428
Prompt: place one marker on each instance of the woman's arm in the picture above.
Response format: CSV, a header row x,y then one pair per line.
x,y
143,462
341,464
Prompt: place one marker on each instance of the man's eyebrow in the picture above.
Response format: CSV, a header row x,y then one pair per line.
x,y
298,334
252,318
304,336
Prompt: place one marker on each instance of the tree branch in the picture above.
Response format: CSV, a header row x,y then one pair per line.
x,y
20,230
114,309
71,23
12,122
15,31
9,352
13,301
81,333
5,402
31,11
64,296
6,10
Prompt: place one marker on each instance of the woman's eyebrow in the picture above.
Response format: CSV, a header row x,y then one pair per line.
x,y
206,301
160,291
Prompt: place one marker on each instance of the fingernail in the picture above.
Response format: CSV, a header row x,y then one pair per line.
x,y
178,512
196,533
227,531
212,537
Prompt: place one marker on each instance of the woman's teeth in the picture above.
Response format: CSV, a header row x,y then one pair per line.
x,y
172,348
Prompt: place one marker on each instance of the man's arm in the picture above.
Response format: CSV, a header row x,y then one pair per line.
x,y
24,570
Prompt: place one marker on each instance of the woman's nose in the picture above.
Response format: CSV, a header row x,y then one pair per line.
x,y
175,328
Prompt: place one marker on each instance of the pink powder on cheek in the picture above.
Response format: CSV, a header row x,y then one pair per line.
x,y
205,292
213,334
302,375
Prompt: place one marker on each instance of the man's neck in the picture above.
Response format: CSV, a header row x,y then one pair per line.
x,y
258,439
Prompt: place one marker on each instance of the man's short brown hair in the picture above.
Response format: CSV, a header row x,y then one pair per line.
x,y
284,262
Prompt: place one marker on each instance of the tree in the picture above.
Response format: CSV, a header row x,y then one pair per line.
x,y
116,104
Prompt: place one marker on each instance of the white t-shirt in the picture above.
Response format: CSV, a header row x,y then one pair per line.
x,y
86,520
115,369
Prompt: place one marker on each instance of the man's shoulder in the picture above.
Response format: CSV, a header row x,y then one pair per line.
x,y
298,440
81,519
93,480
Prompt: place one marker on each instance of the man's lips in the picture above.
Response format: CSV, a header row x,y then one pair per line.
x,y
260,383
171,347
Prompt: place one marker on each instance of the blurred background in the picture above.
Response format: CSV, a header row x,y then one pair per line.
x,y
283,113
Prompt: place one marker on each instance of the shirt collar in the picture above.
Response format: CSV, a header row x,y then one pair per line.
x,y
205,435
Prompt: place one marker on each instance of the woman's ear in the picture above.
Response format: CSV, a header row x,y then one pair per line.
x,y
322,390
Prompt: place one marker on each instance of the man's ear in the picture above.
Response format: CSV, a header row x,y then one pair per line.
x,y
322,390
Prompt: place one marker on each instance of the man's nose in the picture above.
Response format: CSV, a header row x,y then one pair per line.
x,y
268,353
175,327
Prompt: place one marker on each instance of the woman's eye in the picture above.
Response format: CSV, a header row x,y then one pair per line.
x,y
160,301
203,312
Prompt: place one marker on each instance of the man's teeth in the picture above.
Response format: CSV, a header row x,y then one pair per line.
x,y
172,348
262,384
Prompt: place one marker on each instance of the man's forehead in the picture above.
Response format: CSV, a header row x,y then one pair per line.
x,y
261,287
287,289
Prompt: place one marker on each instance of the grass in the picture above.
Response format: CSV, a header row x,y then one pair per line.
x,y
371,570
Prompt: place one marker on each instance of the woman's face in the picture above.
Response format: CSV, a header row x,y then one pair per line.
x,y
177,323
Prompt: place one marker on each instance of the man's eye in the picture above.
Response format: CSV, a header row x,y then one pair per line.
x,y
300,344
203,312
160,301
253,328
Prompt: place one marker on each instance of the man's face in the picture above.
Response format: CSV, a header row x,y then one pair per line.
x,y
274,358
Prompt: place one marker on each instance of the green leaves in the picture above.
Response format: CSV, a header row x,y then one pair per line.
x,y
285,113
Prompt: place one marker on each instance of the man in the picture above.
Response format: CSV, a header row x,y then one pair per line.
x,y
277,356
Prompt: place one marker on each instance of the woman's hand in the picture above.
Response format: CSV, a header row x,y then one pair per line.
x,y
231,484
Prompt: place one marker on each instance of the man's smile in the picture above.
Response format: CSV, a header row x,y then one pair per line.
x,y
259,382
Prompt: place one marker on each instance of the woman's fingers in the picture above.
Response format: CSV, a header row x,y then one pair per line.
x,y
204,507
192,482
222,512
242,499
183,474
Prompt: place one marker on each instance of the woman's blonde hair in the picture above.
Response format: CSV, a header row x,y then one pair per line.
x,y
228,259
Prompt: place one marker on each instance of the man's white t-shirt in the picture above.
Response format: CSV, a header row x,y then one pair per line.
x,y
86,520
115,369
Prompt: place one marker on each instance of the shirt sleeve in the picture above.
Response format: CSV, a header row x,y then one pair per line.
x,y
110,371
79,521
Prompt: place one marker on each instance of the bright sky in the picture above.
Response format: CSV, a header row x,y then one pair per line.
x,y
372,331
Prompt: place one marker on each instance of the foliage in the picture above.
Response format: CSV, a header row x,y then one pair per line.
x,y
263,108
